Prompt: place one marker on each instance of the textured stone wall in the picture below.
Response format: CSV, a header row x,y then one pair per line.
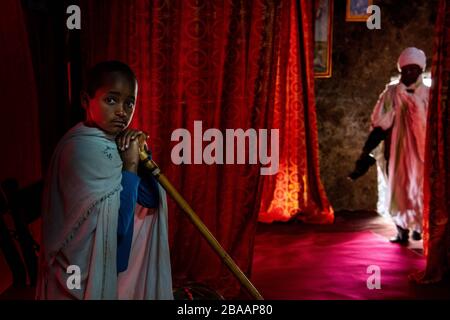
x,y
363,62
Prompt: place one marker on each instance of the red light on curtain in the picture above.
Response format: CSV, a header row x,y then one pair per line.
x,y
218,62
296,190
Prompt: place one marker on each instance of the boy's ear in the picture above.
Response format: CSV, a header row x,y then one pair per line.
x,y
84,97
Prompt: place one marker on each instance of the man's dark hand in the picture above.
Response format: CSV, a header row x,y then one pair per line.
x,y
362,165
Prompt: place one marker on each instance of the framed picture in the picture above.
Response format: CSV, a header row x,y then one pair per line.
x,y
323,36
357,10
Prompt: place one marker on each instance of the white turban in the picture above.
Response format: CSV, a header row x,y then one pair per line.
x,y
412,55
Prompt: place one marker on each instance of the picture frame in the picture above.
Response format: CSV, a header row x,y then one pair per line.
x,y
356,10
323,39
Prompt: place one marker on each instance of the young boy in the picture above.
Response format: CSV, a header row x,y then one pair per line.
x,y
99,239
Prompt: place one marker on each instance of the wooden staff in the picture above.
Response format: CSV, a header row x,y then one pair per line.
x,y
165,183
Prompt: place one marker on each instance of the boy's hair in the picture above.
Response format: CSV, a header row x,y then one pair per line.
x,y
95,75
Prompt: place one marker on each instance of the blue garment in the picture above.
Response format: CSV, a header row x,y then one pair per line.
x,y
135,190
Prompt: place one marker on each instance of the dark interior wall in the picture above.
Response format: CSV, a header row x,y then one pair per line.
x,y
363,62
56,58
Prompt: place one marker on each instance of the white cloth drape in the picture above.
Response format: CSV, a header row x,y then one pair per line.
x,y
149,272
406,113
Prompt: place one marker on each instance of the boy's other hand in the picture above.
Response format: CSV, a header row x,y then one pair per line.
x,y
128,143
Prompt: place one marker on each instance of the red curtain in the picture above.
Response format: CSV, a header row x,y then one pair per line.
x,y
230,64
437,158
19,131
296,191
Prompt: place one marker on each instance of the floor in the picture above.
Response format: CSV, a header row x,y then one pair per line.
x,y
295,261
344,260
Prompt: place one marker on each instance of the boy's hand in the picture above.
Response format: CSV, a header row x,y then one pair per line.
x,y
128,143
124,139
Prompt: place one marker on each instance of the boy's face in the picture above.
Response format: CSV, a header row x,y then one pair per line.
x,y
112,107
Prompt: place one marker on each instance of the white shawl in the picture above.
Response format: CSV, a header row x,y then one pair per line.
x,y
80,213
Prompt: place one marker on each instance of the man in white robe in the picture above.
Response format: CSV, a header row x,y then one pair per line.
x,y
402,110
399,118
